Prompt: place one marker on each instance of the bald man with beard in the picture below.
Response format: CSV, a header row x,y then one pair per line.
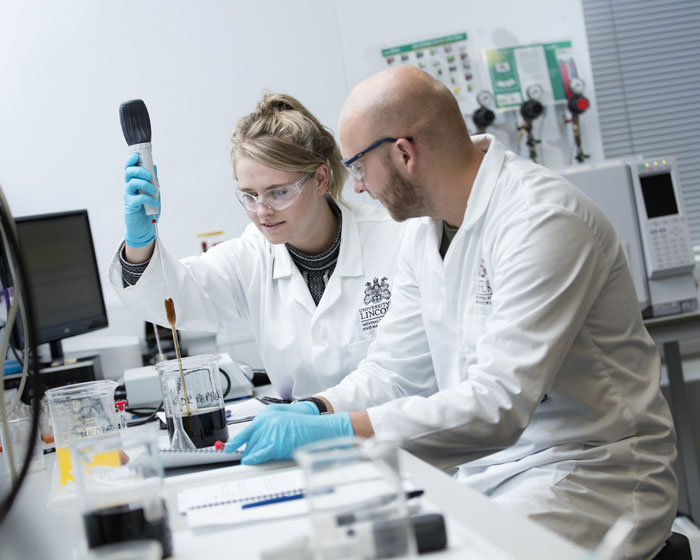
x,y
513,351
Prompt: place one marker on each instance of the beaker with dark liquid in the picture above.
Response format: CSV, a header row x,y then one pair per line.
x,y
120,490
199,403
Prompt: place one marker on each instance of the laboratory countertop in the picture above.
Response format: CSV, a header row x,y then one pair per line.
x,y
475,524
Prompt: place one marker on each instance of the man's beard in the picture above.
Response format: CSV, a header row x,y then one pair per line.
x,y
404,198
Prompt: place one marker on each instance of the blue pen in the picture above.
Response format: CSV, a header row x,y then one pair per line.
x,y
273,500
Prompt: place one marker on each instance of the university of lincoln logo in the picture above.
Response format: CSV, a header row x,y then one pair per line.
x,y
377,299
483,287
376,292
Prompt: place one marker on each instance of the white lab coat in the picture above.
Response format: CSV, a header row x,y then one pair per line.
x,y
304,348
548,382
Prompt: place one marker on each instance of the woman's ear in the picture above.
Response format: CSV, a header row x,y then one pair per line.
x,y
320,178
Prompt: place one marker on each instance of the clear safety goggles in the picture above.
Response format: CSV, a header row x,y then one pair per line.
x,y
278,198
356,169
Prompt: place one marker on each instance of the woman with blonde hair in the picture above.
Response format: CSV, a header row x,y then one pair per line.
x,y
312,275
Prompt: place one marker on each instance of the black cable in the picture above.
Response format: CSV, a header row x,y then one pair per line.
x,y
228,382
10,236
150,418
19,359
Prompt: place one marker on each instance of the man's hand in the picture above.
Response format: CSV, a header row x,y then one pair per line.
x,y
277,433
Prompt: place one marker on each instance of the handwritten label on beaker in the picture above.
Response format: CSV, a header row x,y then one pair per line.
x,y
202,398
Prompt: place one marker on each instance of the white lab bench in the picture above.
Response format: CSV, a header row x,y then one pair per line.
x,y
477,526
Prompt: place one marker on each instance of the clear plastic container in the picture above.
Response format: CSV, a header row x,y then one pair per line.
x,y
199,403
81,411
19,431
357,502
131,550
120,490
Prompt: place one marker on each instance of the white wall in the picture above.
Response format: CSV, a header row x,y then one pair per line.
x,y
65,66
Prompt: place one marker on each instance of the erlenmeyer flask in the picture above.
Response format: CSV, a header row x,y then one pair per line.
x,y
180,440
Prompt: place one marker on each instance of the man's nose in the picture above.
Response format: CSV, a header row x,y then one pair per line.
x,y
358,186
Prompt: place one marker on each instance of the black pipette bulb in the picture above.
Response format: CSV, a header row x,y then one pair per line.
x,y
136,125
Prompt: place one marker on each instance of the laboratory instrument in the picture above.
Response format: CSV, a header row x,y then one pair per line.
x,y
354,487
577,104
170,314
120,490
81,411
143,387
531,109
195,411
136,126
484,116
644,201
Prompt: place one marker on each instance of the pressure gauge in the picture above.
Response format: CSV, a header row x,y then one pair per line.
x,y
485,98
576,85
535,92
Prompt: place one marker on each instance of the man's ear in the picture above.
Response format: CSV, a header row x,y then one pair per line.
x,y
320,179
407,152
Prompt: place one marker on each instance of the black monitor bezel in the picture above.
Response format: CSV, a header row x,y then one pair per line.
x,y
99,321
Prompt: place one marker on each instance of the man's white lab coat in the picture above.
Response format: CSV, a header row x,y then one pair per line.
x,y
304,348
548,382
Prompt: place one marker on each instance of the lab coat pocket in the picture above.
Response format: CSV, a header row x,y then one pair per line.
x,y
473,326
357,351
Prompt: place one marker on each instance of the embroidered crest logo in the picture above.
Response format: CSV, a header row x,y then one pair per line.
x,y
376,291
483,287
376,301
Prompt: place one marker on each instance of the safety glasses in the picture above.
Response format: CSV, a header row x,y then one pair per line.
x,y
356,169
278,198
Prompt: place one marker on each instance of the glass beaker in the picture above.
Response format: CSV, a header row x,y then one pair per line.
x,y
357,502
80,411
121,499
199,403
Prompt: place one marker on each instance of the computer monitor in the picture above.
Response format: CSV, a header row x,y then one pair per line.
x,y
62,276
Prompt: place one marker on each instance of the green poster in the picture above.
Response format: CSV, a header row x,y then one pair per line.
x,y
543,68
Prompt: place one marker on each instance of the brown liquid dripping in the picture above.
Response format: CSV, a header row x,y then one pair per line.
x,y
170,313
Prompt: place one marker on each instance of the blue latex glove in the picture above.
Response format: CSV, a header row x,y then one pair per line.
x,y
301,407
139,227
275,435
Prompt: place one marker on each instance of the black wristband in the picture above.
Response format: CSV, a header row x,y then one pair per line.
x,y
318,403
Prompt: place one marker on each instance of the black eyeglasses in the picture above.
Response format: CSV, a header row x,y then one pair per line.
x,y
356,169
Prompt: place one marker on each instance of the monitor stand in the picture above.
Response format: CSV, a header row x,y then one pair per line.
x,y
57,356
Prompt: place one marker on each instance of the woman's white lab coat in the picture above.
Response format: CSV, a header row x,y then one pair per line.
x,y
547,381
304,348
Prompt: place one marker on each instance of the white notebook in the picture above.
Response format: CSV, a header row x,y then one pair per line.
x,y
171,458
223,504
242,491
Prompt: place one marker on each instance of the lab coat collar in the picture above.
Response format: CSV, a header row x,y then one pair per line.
x,y
485,179
350,257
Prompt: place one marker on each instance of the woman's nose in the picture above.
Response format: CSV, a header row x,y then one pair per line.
x,y
263,210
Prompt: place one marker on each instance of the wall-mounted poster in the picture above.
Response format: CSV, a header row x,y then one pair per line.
x,y
447,58
546,68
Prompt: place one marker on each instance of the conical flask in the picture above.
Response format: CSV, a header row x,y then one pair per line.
x,y
180,440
